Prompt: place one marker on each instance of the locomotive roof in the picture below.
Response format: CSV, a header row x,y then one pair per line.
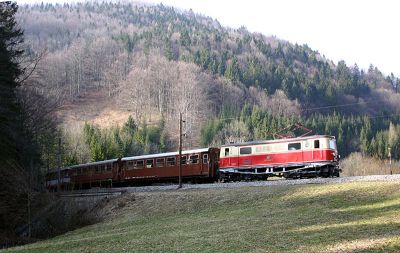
x,y
277,141
184,152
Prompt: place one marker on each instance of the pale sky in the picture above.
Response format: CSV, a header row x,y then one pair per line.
x,y
356,31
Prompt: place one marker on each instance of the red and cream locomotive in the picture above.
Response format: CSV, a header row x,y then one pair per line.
x,y
309,156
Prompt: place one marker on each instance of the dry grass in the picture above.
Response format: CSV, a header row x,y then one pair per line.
x,y
351,217
358,165
95,107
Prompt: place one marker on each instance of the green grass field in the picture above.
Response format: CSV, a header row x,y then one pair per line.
x,y
349,217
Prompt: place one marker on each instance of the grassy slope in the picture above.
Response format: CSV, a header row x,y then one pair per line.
x,y
349,217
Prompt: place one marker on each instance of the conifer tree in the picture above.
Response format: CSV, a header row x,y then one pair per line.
x,y
10,71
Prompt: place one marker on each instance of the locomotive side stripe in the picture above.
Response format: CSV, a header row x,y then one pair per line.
x,y
281,152
271,159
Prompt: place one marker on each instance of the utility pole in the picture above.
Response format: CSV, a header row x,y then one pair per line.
x,y
59,166
390,161
180,150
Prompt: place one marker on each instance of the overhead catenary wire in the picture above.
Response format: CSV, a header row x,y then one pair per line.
x,y
334,106
331,107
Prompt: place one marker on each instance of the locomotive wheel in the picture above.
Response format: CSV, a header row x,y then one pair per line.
x,y
336,173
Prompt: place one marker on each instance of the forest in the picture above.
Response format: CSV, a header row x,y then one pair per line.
x,y
151,62
155,61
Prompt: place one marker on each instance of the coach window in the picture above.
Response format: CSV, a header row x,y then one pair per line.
x,y
183,159
139,164
205,158
160,162
194,159
130,165
245,151
150,163
294,146
226,151
316,144
170,161
108,167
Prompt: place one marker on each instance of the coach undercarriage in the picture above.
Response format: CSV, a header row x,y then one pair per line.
x,y
290,172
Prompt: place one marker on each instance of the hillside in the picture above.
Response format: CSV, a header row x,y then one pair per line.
x,y
347,217
105,62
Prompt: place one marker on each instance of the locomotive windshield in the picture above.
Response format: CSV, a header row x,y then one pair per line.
x,y
332,144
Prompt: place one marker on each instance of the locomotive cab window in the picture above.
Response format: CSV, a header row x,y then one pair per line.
x,y
294,146
160,162
332,144
205,158
316,144
170,161
194,159
150,163
245,151
183,159
226,151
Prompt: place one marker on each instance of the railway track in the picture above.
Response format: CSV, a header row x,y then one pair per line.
x,y
173,187
95,192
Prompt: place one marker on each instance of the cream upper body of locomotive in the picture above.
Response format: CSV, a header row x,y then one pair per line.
x,y
309,143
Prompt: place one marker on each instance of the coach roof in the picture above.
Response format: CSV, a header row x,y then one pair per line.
x,y
184,152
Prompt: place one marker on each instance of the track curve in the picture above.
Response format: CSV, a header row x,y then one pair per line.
x,y
336,180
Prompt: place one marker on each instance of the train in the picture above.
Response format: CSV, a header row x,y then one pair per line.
x,y
291,158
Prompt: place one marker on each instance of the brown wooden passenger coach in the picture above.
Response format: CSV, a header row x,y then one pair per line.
x,y
197,165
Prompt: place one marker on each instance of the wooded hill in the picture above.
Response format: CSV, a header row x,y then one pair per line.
x,y
152,62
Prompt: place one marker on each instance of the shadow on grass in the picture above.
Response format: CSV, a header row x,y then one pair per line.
x,y
278,219
347,214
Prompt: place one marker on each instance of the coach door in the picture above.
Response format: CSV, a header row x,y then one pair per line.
x,y
118,171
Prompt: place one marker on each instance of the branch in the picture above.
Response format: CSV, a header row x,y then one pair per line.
x,y
35,63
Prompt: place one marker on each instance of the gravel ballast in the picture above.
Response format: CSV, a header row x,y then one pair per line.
x,y
336,180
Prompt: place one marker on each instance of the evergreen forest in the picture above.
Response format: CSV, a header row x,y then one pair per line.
x,y
148,63
230,84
